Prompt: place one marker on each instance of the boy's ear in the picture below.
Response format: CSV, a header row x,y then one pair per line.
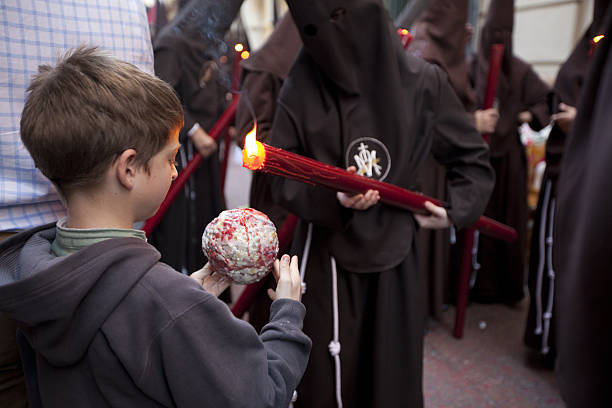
x,y
126,168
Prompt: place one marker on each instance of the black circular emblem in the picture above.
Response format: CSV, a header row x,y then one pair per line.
x,y
370,156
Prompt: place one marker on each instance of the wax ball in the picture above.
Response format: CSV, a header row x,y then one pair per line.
x,y
241,244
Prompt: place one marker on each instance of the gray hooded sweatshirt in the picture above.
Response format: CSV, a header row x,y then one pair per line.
x,y
111,326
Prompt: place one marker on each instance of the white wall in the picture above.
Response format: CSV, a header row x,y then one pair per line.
x,y
545,31
258,19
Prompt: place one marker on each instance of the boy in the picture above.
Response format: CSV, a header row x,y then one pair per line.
x,y
108,323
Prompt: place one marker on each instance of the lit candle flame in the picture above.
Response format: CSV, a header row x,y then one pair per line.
x,y
598,38
245,54
239,47
403,31
254,153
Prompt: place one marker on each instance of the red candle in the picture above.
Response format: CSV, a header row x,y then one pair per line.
x,y
259,156
495,60
405,37
238,50
221,125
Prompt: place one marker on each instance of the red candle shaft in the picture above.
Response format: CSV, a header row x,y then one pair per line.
x,y
236,70
495,60
406,39
176,187
297,167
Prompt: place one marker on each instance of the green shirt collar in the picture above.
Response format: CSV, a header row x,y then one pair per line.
x,y
70,240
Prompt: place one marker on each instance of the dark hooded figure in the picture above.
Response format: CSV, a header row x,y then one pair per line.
x,y
187,55
520,92
539,332
440,38
262,77
582,246
354,98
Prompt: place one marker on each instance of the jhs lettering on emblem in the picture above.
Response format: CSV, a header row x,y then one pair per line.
x,y
370,157
366,161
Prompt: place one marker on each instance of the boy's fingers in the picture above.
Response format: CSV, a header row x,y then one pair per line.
x,y
272,294
284,268
295,272
276,269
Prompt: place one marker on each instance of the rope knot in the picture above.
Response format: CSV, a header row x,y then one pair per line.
x,y
334,348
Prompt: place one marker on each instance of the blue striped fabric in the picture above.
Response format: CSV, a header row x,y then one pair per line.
x,y
35,32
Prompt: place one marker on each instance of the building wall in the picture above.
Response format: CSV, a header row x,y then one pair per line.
x,y
545,31
258,19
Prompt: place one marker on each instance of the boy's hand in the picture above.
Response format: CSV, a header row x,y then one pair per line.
x,y
289,283
358,201
565,117
437,219
205,144
214,283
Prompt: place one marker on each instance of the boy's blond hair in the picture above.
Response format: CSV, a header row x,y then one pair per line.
x,y
82,114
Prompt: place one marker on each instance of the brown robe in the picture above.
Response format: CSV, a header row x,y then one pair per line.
x,y
354,91
440,38
262,77
186,56
501,277
582,246
539,330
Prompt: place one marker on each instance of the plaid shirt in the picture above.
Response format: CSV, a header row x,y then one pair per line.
x,y
32,33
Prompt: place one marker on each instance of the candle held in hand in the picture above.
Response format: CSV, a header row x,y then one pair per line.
x,y
280,162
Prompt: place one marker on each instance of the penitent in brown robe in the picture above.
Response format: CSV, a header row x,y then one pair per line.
x,y
353,96
262,77
440,38
186,56
540,330
582,248
501,277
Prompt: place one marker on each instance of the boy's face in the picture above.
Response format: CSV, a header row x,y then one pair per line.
x,y
153,186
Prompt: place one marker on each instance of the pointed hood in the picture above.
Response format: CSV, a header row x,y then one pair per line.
x,y
278,53
60,303
497,29
202,22
335,39
440,37
568,87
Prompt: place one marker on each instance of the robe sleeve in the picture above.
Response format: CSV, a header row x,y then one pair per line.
x,y
205,356
535,99
459,147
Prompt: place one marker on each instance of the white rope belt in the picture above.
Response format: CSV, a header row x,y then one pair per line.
x,y
475,264
334,345
542,259
551,277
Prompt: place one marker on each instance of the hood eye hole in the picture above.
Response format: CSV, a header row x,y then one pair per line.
x,y
310,30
